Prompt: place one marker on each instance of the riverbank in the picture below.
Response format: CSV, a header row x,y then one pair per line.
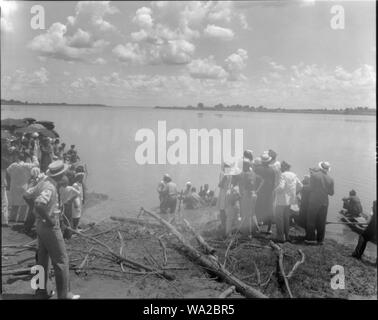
x,y
103,278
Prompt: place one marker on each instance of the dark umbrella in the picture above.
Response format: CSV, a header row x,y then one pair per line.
x,y
55,133
47,124
35,127
13,123
29,120
49,133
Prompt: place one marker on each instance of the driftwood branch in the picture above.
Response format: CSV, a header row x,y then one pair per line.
x,y
83,263
165,260
279,252
227,292
120,258
257,274
297,264
206,248
209,263
121,249
227,250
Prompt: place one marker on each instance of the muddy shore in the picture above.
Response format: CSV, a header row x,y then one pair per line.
x,y
250,259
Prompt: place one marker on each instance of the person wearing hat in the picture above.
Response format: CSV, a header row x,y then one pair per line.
x,y
36,177
160,189
35,145
46,153
50,239
248,155
186,196
247,187
286,196
19,174
276,165
170,194
224,183
321,187
265,194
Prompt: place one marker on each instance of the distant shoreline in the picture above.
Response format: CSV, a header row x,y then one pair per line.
x,y
21,103
355,111
359,111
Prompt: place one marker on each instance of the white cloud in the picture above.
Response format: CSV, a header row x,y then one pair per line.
x,y
171,52
54,43
81,39
21,79
214,31
8,8
177,52
129,53
235,63
143,17
222,10
100,61
93,12
276,66
206,69
318,87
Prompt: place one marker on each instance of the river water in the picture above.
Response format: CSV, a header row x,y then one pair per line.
x,y
105,139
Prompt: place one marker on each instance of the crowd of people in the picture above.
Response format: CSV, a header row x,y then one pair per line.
x,y
257,192
24,162
42,186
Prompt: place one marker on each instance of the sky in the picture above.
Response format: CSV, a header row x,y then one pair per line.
x,y
136,53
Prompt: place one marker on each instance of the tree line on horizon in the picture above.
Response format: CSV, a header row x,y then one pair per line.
x,y
261,108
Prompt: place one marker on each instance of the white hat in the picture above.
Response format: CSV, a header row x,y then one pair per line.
x,y
56,168
265,158
324,165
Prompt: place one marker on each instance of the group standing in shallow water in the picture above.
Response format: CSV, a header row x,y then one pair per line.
x,y
261,191
170,198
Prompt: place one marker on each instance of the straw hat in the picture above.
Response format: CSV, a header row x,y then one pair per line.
x,y
324,165
265,158
56,168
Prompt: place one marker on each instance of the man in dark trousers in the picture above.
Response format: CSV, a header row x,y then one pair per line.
x,y
50,239
369,234
321,186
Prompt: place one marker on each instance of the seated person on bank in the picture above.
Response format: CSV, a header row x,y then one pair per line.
x,y
369,234
352,204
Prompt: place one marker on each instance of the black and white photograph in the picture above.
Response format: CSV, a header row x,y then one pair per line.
x,y
174,150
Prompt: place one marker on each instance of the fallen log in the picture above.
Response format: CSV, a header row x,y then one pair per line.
x,y
203,244
209,263
16,271
166,275
227,292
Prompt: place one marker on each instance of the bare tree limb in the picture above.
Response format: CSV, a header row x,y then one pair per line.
x,y
203,244
281,266
209,262
297,264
